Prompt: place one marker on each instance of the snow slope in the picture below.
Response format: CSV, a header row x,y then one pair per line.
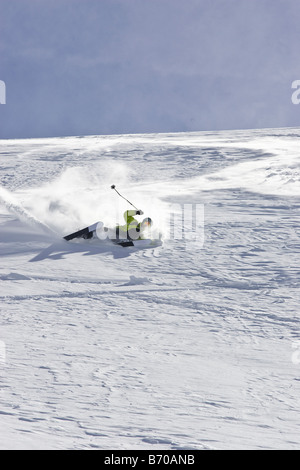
x,y
192,345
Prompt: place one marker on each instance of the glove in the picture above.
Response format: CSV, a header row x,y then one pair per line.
x,y
139,212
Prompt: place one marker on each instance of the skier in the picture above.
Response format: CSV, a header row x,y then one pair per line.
x,y
133,230
121,234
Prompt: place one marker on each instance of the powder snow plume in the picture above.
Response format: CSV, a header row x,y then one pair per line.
x,y
82,195
15,207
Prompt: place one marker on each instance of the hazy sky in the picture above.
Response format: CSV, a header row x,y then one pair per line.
x,y
75,67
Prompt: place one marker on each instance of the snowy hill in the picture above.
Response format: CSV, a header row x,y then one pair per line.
x,y
192,345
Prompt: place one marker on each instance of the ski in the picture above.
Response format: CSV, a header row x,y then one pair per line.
x,y
84,233
123,243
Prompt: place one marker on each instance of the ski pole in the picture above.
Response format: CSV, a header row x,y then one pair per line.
x,y
113,186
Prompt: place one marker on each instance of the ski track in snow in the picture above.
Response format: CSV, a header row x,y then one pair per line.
x,y
176,347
